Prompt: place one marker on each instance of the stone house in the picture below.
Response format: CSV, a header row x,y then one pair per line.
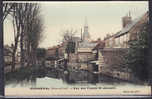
x,y
81,60
57,51
50,61
83,56
98,60
83,51
110,62
51,51
111,58
51,56
129,31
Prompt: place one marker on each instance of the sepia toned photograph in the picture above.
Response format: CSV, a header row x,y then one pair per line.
x,y
76,48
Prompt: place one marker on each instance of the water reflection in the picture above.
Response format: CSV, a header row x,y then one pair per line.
x,y
48,82
54,79
61,79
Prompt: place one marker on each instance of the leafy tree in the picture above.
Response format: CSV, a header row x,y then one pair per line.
x,y
68,34
57,52
68,37
34,31
70,47
136,56
40,53
7,9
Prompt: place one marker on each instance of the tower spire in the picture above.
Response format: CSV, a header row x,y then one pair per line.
x,y
86,35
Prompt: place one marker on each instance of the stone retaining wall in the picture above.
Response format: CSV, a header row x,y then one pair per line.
x,y
113,63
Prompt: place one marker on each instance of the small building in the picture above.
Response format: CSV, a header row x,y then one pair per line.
x,y
83,51
98,60
50,61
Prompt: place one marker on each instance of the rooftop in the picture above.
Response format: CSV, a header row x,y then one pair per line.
x,y
100,45
127,27
130,26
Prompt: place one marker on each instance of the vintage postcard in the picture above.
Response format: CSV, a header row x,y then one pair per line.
x,y
76,48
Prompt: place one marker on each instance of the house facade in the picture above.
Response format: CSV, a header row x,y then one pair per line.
x,y
110,58
83,51
129,32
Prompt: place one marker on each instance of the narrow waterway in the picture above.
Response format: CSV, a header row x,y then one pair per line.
x,y
72,79
48,82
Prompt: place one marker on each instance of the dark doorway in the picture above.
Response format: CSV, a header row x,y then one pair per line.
x,y
95,67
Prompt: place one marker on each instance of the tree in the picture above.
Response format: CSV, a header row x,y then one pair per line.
x,y
70,48
136,57
17,30
20,18
57,52
34,31
7,9
30,23
68,38
68,35
28,27
41,54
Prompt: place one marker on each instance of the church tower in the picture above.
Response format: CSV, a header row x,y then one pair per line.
x,y
86,35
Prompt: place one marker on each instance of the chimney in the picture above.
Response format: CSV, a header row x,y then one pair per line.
x,y
126,20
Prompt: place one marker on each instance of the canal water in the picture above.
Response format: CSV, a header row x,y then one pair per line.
x,y
70,80
74,79
48,82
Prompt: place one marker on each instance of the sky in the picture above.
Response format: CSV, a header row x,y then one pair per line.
x,y
103,18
